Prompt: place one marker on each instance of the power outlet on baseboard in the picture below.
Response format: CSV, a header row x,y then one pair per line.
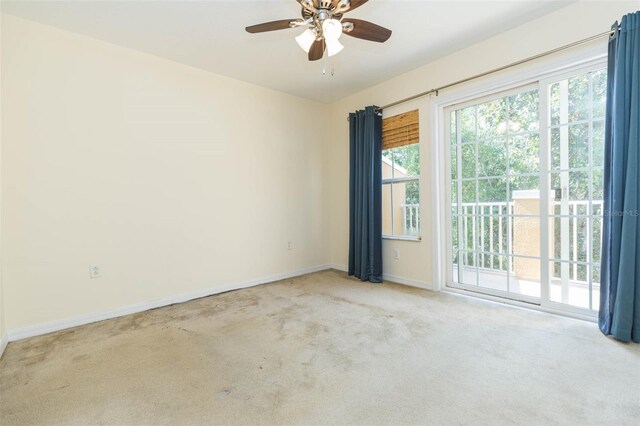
x,y
290,245
396,253
94,271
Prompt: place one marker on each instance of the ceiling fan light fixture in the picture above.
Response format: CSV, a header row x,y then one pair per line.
x,y
326,23
306,39
332,29
333,46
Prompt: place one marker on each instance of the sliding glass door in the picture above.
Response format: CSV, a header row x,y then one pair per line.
x,y
525,190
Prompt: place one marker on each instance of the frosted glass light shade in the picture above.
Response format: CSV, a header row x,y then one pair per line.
x,y
333,46
332,29
306,39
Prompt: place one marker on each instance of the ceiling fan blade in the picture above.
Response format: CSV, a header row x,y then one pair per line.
x,y
356,3
368,31
317,50
271,26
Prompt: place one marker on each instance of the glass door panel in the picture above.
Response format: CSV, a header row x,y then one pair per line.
x,y
575,156
495,187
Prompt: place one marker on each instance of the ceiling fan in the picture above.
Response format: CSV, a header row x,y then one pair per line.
x,y
325,24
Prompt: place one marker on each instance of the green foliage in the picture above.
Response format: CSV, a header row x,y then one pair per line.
x,y
408,158
490,138
495,137
502,136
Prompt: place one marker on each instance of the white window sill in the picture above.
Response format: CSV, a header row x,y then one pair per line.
x,y
401,238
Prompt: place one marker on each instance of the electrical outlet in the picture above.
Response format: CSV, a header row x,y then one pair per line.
x,y
94,271
396,253
290,245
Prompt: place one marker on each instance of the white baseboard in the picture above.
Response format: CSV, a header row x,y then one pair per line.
x,y
4,339
36,330
338,267
408,281
388,277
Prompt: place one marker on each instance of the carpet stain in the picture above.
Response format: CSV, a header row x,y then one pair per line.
x,y
323,349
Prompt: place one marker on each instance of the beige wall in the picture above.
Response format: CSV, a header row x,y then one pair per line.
x,y
3,326
399,197
172,179
574,22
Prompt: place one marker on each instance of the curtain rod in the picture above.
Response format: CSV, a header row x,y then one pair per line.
x,y
504,67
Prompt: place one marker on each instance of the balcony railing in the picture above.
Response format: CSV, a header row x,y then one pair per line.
x,y
484,230
411,216
575,217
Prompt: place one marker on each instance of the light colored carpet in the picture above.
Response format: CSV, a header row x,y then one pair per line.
x,y
324,349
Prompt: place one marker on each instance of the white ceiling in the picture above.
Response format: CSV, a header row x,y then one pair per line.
x,y
210,35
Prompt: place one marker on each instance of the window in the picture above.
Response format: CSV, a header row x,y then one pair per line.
x,y
400,176
525,191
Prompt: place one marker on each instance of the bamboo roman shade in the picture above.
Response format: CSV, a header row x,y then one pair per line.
x,y
400,130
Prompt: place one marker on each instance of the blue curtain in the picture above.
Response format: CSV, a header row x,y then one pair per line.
x,y
620,269
365,195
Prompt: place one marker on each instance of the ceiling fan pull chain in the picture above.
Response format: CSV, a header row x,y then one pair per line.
x,y
331,71
325,59
325,64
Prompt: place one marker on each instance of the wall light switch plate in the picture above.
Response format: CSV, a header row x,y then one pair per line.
x,y
396,253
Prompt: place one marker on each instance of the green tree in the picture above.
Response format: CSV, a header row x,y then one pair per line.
x,y
493,138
